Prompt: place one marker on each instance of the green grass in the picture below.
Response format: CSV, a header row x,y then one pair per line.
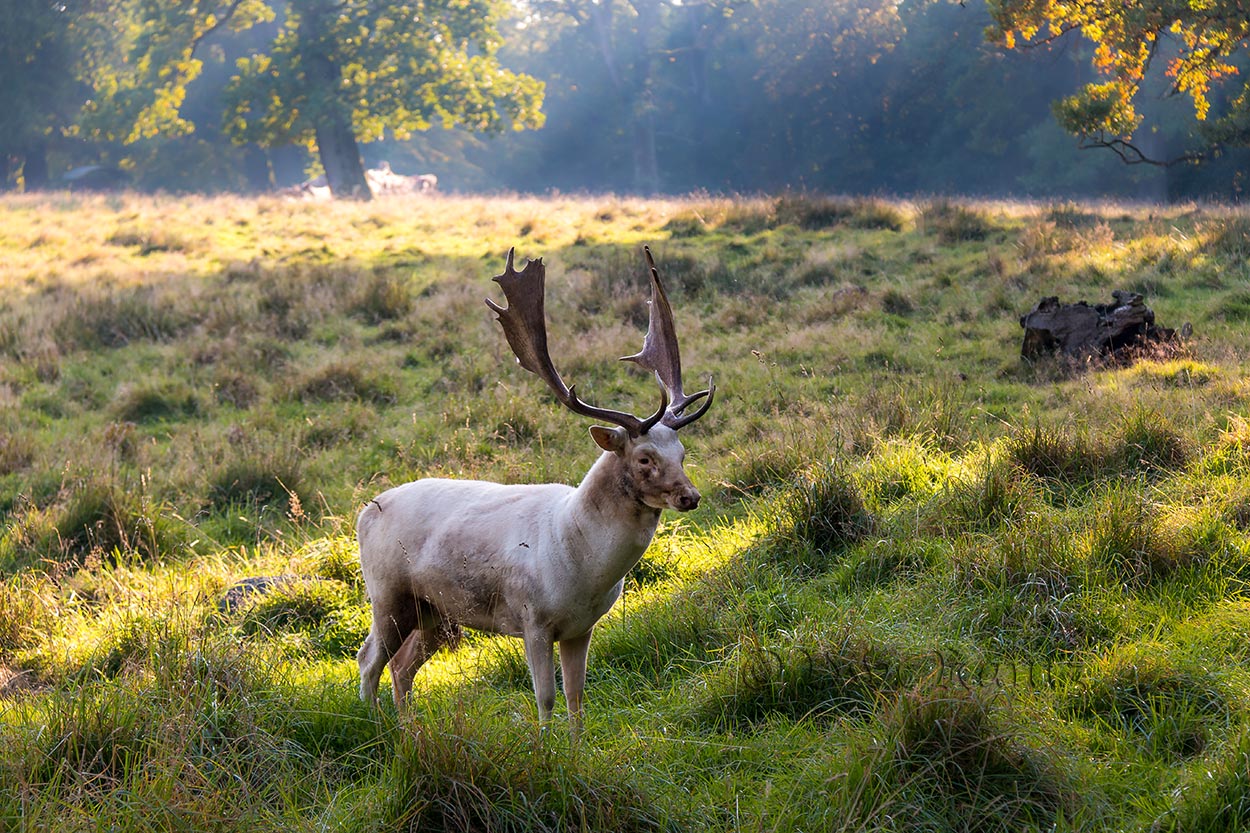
x,y
930,587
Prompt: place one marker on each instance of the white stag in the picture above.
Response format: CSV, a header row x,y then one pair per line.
x,y
541,562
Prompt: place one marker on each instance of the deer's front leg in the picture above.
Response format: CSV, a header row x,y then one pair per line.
x,y
573,667
538,655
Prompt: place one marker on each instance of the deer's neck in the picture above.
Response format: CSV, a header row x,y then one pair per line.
x,y
608,524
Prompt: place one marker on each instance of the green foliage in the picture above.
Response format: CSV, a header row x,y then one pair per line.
x,y
317,75
383,297
1236,308
1209,42
1066,456
1230,237
148,239
117,319
26,613
94,519
990,496
16,453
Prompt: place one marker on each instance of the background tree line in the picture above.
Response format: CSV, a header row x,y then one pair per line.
x,y
640,96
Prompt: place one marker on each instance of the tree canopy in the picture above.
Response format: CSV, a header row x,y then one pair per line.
x,y
641,96
334,73
342,71
1202,42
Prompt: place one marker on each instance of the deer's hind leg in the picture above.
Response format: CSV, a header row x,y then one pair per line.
x,y
420,645
393,620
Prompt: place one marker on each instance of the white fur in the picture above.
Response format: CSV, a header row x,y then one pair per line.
x,y
541,562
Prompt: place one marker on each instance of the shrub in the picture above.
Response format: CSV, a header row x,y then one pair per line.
x,y
16,452
336,559
954,223
808,212
117,319
257,478
1128,541
1148,442
383,296
903,469
1055,454
342,381
819,516
748,217
349,422
27,612
832,674
686,224
148,239
894,302
237,389
1234,307
757,467
1168,707
106,518
994,494
151,403
93,519
1230,238
297,604
136,640
1215,796
684,274
324,609
1069,215
472,778
870,213
970,768
817,212
285,301
889,559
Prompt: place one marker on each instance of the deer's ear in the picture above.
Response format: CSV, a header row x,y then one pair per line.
x,y
610,439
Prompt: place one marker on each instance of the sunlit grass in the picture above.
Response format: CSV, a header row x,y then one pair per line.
x,y
928,586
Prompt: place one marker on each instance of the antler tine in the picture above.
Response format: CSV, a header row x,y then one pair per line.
x,y
660,354
525,326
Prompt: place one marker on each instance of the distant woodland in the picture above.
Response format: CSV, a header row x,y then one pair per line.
x,y
627,96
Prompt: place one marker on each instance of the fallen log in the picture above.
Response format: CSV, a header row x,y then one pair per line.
x,y
1082,331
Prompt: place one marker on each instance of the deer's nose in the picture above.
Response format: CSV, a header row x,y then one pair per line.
x,y
688,500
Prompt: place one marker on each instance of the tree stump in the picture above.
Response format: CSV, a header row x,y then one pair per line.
x,y
1082,331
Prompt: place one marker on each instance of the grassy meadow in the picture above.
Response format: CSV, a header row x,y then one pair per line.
x,y
930,587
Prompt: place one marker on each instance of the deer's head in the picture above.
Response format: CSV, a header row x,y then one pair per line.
x,y
651,456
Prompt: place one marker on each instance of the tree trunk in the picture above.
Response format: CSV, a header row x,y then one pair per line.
x,y
1082,331
646,156
340,156
633,92
646,159
35,167
257,169
336,141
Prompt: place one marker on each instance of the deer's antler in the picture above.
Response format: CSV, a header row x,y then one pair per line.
x,y
660,354
525,326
